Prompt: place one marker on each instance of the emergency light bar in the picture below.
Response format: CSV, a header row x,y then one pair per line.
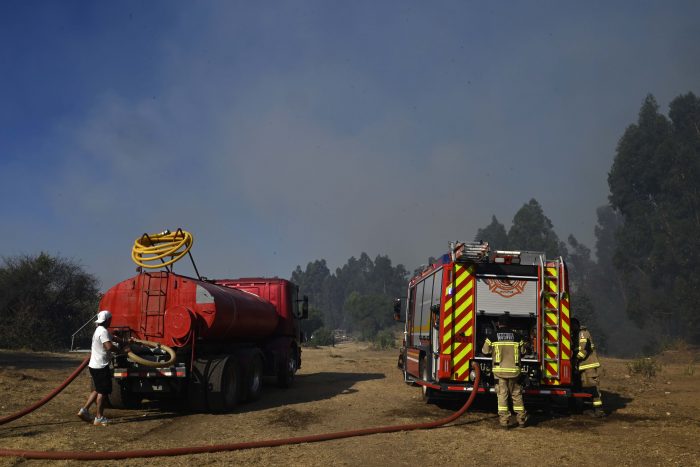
x,y
506,257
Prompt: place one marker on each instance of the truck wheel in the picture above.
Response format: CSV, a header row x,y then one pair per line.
x,y
223,388
122,398
232,382
254,378
287,368
427,394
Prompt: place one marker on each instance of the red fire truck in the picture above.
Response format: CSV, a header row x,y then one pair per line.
x,y
453,306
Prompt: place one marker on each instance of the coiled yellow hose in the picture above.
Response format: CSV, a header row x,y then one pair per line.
x,y
154,345
150,249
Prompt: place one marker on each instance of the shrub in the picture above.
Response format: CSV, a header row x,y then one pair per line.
x,y
384,340
678,344
43,300
323,336
690,369
646,367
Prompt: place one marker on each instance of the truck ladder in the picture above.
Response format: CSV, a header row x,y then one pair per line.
x,y
154,286
551,306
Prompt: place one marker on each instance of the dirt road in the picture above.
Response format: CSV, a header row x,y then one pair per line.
x,y
651,421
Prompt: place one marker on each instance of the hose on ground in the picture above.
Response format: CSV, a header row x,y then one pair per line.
x,y
103,455
150,249
150,363
51,395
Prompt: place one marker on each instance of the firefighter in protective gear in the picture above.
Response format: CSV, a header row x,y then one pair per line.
x,y
587,366
506,350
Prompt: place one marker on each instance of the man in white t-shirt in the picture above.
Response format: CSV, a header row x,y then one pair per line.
x,y
103,343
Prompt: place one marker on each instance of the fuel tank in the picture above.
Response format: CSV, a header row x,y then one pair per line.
x,y
174,310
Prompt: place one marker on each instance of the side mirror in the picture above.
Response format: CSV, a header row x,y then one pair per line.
x,y
397,309
305,307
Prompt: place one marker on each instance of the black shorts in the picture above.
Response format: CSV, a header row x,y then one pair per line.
x,y
102,377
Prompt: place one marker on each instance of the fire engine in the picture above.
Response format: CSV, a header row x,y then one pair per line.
x,y
453,305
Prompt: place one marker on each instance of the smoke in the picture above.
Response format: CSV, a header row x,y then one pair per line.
x,y
285,133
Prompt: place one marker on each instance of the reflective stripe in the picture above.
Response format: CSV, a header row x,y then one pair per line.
x,y
519,408
597,403
589,366
581,355
507,370
514,345
487,341
502,409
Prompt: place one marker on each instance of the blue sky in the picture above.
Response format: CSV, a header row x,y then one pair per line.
x,y
284,132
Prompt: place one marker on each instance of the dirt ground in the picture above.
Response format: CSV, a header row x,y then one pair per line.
x,y
650,420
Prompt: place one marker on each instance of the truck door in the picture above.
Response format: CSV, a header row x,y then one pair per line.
x,y
435,322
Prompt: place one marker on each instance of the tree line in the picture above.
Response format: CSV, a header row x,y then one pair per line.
x,y
639,289
43,300
638,292
357,297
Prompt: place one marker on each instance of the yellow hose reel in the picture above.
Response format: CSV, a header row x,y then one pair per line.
x,y
150,250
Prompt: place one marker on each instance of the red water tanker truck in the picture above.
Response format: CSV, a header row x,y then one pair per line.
x,y
211,342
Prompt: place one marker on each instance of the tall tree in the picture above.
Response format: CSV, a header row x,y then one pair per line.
x,y
585,312
495,234
605,290
655,185
367,314
532,230
319,285
583,268
316,282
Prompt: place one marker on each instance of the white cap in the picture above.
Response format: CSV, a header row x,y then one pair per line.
x,y
103,316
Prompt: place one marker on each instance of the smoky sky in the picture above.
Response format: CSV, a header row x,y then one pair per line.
x,y
284,132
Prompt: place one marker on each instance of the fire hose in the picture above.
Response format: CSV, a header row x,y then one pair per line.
x,y
154,345
51,395
148,249
103,455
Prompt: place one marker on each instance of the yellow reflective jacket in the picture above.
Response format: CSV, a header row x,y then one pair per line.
x,y
585,352
506,354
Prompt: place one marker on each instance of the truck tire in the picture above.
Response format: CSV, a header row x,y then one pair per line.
x,y
253,378
286,368
427,394
224,384
122,398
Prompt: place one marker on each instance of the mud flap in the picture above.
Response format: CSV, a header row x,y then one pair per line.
x,y
197,386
